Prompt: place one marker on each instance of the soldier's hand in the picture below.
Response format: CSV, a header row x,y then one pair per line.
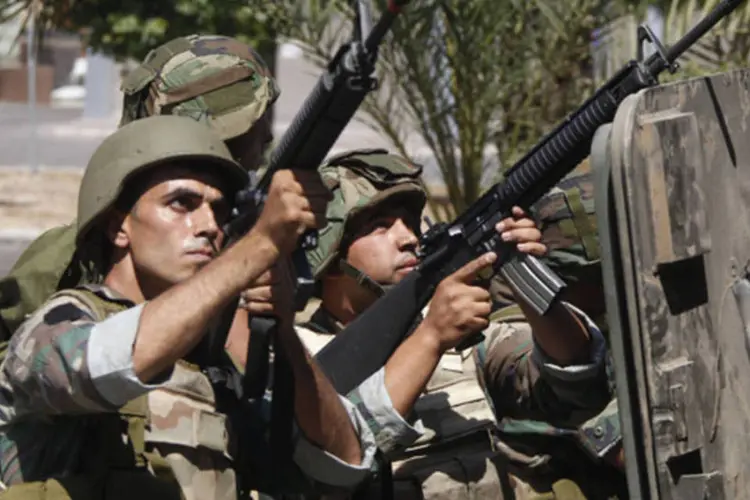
x,y
260,299
296,202
523,231
272,293
459,308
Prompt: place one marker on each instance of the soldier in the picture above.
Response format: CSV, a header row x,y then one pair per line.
x,y
212,79
574,463
100,395
443,448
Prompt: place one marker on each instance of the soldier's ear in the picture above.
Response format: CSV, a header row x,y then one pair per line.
x,y
117,229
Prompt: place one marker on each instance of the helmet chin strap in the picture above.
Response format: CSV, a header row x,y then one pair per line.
x,y
368,283
362,279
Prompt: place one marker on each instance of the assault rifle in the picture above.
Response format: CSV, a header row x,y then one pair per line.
x,y
367,343
318,124
337,95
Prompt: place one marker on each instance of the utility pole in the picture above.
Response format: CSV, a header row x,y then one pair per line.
x,y
31,88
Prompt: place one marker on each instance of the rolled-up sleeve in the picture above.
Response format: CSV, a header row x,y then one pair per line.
x,y
390,429
61,361
110,358
330,470
523,382
594,369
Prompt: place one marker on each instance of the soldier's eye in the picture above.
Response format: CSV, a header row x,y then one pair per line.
x,y
182,204
378,226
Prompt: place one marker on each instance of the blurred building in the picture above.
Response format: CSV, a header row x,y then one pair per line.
x,y
55,61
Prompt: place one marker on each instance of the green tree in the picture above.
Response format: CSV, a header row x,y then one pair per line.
x,y
474,76
481,81
478,81
726,47
131,29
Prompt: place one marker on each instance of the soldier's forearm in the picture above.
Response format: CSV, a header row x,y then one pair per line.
x,y
560,333
318,408
410,368
173,323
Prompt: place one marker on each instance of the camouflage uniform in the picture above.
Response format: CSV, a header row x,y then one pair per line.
x,y
212,79
68,370
546,453
448,447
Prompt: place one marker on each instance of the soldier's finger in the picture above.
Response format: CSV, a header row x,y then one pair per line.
x,y
518,212
522,235
260,308
308,220
266,278
534,248
476,324
481,309
510,224
471,270
260,293
476,294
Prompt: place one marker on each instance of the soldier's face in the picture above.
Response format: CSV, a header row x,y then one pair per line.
x,y
248,149
385,245
174,228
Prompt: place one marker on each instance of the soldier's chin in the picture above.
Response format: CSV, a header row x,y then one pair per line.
x,y
187,272
401,273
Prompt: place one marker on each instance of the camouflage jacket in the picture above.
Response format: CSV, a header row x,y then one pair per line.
x,y
536,444
63,368
455,411
509,364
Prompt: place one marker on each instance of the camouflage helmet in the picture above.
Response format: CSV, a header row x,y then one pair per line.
x,y
212,79
142,145
567,220
361,180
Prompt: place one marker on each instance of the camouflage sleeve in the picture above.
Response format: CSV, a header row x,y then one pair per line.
x,y
374,403
60,361
522,382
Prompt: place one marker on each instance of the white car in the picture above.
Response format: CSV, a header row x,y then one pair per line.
x,y
74,92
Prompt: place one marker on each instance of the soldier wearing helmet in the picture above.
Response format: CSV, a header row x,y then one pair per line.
x,y
100,392
215,80
437,424
549,458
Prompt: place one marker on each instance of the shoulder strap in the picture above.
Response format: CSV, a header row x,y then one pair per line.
x,y
101,307
509,314
319,322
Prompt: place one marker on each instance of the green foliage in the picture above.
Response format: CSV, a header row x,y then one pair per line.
x,y
500,73
474,74
131,29
478,81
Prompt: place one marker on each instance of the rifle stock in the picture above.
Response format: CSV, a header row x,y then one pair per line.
x,y
367,343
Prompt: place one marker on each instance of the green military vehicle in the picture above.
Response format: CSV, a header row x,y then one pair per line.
x,y
672,178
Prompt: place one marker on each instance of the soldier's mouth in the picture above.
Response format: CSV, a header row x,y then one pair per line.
x,y
205,254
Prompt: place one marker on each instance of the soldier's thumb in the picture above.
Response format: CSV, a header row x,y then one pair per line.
x,y
471,269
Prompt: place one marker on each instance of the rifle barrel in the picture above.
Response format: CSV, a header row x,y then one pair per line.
x,y
700,29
